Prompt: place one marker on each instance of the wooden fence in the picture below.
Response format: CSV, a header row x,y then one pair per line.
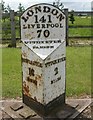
x,y
11,26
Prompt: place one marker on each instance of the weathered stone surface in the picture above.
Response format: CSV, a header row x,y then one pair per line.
x,y
26,112
66,111
16,106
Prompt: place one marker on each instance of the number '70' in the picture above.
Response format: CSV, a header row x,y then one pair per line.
x,y
46,33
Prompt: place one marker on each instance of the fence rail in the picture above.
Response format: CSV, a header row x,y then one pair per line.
x,y
13,27
80,26
81,37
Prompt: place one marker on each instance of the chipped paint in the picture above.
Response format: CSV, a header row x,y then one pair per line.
x,y
32,81
26,90
44,78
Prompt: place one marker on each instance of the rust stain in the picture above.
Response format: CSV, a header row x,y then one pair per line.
x,y
38,77
24,54
26,90
32,81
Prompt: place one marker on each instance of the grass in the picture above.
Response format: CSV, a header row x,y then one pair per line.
x,y
0,72
78,71
11,72
81,21
80,31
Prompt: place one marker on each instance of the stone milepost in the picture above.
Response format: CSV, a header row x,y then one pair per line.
x,y
43,33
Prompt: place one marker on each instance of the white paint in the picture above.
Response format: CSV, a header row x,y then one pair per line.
x,y
52,91
43,52
31,33
43,55
44,91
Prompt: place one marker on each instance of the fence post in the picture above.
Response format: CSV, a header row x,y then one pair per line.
x,y
66,13
13,33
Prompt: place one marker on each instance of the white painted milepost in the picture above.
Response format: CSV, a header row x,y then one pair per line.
x,y
43,33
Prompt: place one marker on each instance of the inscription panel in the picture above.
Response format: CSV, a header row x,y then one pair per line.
x,y
43,28
42,21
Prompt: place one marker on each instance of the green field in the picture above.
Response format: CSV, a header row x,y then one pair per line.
x,y
0,72
80,32
81,21
78,72
11,72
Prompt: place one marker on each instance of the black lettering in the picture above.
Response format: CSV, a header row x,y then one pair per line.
x,y
56,25
52,25
39,33
42,19
61,26
42,41
26,42
24,27
43,26
32,81
36,18
47,46
59,41
46,9
55,41
55,80
60,17
50,41
47,25
33,42
49,19
32,25
46,33
35,47
54,12
60,60
37,9
28,26
38,25
25,18
52,82
41,47
30,13
56,71
54,62
31,72
51,46
47,41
